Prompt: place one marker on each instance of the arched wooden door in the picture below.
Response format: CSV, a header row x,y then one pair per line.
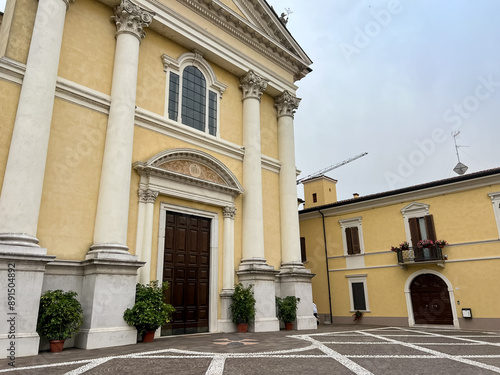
x,y
186,269
431,300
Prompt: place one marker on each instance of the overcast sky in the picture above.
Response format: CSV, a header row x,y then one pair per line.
x,y
395,79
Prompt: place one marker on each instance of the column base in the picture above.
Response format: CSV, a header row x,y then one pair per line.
x,y
225,323
108,289
262,277
295,280
21,272
18,239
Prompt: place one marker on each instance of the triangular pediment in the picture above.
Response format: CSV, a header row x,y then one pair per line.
x,y
256,24
415,208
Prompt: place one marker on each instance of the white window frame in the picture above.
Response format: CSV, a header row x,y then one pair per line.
x,y
413,210
350,223
358,279
177,66
495,201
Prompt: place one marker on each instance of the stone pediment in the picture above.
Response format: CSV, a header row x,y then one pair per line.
x,y
259,26
192,167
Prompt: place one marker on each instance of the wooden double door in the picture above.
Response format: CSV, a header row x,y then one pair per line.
x,y
186,268
431,300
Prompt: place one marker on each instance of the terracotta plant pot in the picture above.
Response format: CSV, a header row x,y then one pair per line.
x,y
289,326
243,327
148,336
56,346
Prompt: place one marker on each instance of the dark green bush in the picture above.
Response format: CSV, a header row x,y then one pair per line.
x,y
150,311
287,308
243,304
60,315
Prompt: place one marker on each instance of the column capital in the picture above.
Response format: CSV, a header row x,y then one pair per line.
x,y
253,85
229,212
147,195
286,104
132,19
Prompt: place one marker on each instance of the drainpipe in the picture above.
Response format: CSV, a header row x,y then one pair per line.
x,y
327,271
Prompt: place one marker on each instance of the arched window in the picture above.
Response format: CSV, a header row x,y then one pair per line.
x,y
193,92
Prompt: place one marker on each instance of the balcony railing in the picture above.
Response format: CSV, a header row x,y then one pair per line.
x,y
418,255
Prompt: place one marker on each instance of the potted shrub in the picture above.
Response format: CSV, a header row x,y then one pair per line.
x,y
149,311
242,306
60,316
287,310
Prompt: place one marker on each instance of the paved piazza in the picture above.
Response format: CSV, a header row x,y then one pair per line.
x,y
330,350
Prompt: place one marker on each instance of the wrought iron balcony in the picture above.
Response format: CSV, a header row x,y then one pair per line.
x,y
418,256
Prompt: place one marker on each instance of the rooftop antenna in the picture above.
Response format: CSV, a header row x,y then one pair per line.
x,y
460,168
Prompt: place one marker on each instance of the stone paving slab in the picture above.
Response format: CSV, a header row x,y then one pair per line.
x,y
333,349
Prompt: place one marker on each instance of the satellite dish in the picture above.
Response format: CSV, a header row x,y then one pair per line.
x,y
460,168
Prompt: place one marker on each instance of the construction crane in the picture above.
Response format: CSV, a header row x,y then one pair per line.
x,y
331,167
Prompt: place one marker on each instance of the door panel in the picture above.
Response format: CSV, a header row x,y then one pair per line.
x,y
431,300
186,268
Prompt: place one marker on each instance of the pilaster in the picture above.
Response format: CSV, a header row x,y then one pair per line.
x,y
147,198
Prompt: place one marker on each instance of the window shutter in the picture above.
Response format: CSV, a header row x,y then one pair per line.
x,y
429,225
358,296
303,249
414,232
356,248
348,238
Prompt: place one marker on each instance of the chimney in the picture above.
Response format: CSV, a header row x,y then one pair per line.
x,y
355,195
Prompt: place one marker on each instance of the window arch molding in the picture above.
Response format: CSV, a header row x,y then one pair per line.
x,y
213,91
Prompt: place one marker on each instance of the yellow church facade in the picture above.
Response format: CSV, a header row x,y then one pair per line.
x,y
149,140
348,246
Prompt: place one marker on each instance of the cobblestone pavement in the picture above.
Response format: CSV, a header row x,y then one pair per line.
x,y
329,350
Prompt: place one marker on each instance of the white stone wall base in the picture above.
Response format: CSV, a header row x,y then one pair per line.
x,y
105,337
305,322
226,326
29,264
262,277
108,289
295,280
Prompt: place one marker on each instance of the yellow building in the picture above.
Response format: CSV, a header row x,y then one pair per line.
x,y
348,246
136,141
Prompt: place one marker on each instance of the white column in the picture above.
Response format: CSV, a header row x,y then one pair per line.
x,y
294,279
147,199
228,257
24,174
252,86
110,231
286,105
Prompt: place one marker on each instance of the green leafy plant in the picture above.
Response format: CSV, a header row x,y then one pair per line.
x,y
150,311
287,308
243,304
60,315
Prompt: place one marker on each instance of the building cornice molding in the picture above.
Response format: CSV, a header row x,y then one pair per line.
x,y
271,41
13,71
405,197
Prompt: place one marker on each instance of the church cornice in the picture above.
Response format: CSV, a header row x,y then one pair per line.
x,y
269,38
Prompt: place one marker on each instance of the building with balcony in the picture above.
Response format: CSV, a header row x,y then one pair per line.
x,y
137,139
348,243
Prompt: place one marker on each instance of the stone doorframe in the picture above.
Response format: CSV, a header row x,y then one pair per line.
x,y
194,176
409,304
